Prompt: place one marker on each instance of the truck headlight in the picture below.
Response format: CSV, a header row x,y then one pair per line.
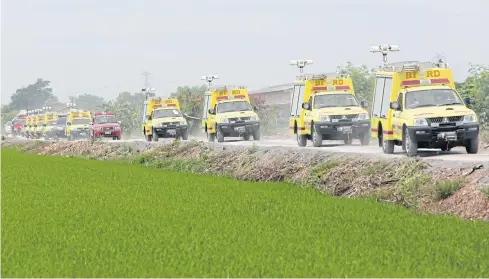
x,y
470,118
117,128
363,116
324,118
224,120
253,118
183,122
420,122
59,128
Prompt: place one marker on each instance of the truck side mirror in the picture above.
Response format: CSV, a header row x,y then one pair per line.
x,y
364,104
119,122
306,106
149,117
69,123
255,108
212,111
469,101
395,106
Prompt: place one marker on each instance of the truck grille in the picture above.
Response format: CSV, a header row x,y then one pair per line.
x,y
344,117
444,119
239,119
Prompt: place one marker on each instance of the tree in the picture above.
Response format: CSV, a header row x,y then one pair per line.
x,y
89,102
191,99
363,81
33,96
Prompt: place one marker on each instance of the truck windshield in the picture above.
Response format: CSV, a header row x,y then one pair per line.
x,y
105,119
61,121
80,121
233,106
335,100
19,121
162,113
432,98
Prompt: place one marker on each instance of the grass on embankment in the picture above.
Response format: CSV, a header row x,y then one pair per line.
x,y
67,217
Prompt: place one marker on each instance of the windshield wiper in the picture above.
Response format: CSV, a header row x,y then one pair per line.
x,y
449,104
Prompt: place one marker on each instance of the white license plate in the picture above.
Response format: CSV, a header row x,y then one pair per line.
x,y
83,134
239,129
172,131
346,129
108,133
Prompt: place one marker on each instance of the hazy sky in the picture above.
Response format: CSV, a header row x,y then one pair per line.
x,y
103,46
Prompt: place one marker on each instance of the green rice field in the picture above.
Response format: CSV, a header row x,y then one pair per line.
x,y
69,217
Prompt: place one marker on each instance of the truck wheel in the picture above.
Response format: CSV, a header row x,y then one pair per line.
x,y
446,148
317,138
472,145
348,139
219,135
301,140
411,145
256,134
246,136
155,136
185,135
365,138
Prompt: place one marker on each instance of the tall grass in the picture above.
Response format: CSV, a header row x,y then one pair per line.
x,y
67,217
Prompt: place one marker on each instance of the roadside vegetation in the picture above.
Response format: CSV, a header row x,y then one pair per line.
x,y
69,217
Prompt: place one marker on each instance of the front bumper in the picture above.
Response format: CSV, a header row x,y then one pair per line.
x,y
236,129
80,133
171,129
333,129
457,133
107,133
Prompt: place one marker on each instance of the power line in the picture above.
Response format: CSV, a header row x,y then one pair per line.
x,y
146,79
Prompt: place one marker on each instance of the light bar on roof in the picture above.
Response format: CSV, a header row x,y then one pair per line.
x,y
415,82
331,88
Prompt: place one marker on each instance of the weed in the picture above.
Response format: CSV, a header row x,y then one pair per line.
x,y
447,188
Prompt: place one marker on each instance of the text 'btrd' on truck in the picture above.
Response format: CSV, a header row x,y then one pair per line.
x,y
105,124
228,113
415,105
324,107
162,118
77,125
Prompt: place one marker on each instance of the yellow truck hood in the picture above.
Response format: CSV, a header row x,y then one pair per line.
x,y
237,114
427,112
168,119
340,111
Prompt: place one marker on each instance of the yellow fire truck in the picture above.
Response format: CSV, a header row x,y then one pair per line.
x,y
415,105
324,107
50,119
163,118
228,113
38,126
77,125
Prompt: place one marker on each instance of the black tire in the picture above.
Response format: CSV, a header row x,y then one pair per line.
x,y
256,134
155,136
185,134
446,148
219,135
148,138
301,140
365,138
246,136
387,146
348,139
317,138
410,145
472,145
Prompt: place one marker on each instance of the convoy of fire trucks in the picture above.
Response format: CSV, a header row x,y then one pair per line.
x,y
414,105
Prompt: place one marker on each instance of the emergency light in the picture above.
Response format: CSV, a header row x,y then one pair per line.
x,y
331,88
103,113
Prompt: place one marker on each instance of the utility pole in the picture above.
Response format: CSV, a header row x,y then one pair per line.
x,y
146,79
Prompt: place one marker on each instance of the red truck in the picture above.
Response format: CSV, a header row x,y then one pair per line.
x,y
18,124
105,124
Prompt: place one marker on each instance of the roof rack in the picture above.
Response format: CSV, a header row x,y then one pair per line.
x,y
332,75
412,66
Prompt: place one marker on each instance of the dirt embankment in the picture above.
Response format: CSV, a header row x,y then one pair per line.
x,y
409,182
